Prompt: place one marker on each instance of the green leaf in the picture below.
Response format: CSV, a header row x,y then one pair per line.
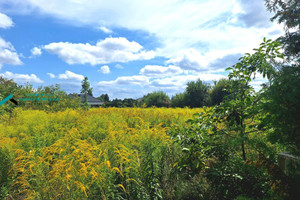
x,y
280,56
238,65
185,149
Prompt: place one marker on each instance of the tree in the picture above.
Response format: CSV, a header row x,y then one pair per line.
x,y
8,87
158,99
178,100
282,97
218,92
85,90
62,101
104,98
288,13
129,102
115,103
244,104
282,108
196,93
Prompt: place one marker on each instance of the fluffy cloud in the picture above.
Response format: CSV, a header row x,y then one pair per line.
x,y
105,51
190,60
119,92
206,26
8,55
254,14
36,51
105,30
51,75
104,69
124,87
126,80
193,60
224,62
180,81
156,71
23,78
71,76
5,21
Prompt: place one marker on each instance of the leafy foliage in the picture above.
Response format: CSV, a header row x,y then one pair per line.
x,y
127,102
85,90
178,100
288,13
218,92
8,87
158,99
229,139
104,98
196,93
282,108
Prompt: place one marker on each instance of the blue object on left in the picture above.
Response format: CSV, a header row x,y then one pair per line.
x,y
6,99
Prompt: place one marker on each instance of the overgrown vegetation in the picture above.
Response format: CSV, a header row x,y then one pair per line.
x,y
226,151
104,153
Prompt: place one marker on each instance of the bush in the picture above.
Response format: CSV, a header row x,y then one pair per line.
x,y
178,100
218,92
232,178
158,99
282,108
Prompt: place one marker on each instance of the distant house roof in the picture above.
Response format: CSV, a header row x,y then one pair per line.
x,y
92,100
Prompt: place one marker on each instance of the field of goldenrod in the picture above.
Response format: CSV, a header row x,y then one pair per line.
x,y
102,153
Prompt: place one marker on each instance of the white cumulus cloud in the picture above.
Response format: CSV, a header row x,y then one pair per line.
x,y
180,81
8,54
126,80
105,51
207,26
71,76
105,30
51,75
35,51
190,59
23,78
104,69
155,71
5,21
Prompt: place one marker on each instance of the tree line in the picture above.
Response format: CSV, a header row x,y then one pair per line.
x,y
196,94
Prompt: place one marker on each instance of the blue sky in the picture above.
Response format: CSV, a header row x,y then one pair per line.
x,y
128,48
